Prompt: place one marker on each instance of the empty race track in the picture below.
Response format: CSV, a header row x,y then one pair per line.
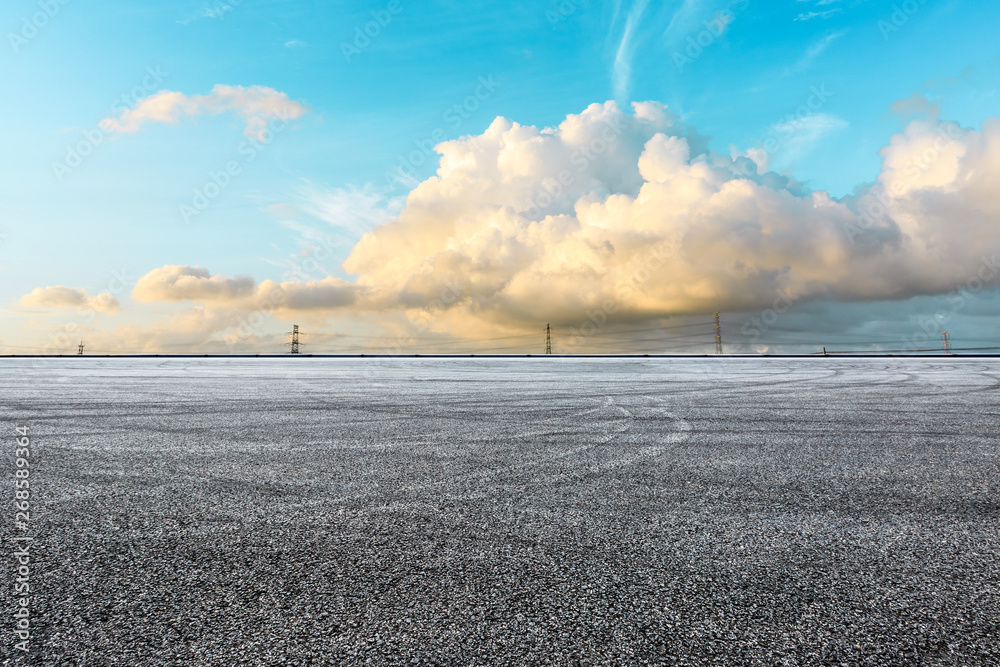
x,y
514,511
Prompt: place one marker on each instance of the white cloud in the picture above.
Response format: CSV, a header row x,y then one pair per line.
x,y
257,105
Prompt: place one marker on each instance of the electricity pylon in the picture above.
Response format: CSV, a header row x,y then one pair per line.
x,y
718,335
295,339
548,339
947,342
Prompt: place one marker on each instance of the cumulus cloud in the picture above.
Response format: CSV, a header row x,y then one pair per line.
x,y
70,297
256,105
531,225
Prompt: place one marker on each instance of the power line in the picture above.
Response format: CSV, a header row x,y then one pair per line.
x,y
679,326
956,349
654,339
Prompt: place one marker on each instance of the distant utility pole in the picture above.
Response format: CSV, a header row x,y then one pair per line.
x,y
718,335
295,339
947,342
80,350
548,339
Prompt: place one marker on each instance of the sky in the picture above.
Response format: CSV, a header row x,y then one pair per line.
x,y
397,177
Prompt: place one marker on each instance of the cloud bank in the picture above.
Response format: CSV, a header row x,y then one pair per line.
x,y
630,213
70,297
174,283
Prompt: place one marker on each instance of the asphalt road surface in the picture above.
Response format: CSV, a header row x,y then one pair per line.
x,y
517,511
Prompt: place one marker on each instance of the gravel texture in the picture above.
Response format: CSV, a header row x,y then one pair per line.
x,y
507,511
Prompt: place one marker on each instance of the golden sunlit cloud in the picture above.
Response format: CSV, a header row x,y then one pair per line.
x,y
257,105
70,297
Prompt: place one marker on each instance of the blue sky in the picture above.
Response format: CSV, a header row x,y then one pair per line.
x,y
734,71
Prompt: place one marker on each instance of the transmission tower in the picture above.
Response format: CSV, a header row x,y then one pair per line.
x,y
295,339
80,350
548,339
718,335
947,342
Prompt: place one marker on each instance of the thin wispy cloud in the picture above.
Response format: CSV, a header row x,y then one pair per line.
x,y
818,13
682,17
217,12
801,136
814,51
808,16
328,222
622,72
